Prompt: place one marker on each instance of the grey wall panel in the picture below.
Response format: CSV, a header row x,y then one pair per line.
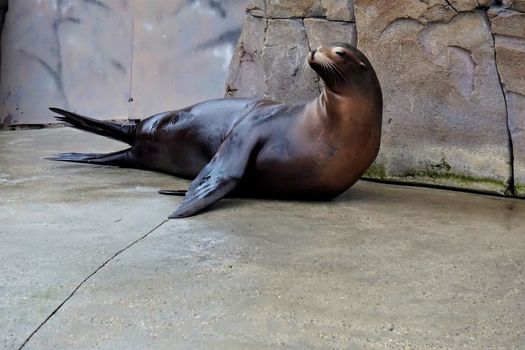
x,y
81,54
182,51
70,53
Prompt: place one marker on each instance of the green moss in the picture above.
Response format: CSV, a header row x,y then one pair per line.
x,y
519,189
376,171
439,174
450,178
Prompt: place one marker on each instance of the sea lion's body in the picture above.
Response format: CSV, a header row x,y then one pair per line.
x,y
315,150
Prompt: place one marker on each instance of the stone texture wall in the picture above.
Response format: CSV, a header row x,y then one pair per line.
x,y
508,28
453,77
270,55
113,58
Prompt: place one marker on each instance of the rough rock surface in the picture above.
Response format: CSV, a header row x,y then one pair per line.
x,y
246,77
320,31
467,5
281,61
508,27
518,5
451,70
445,119
339,10
265,64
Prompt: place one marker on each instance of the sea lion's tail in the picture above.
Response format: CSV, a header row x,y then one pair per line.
x,y
122,158
124,132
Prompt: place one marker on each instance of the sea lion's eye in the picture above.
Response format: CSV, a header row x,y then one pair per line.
x,y
340,53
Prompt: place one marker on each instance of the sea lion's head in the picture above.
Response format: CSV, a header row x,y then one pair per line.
x,y
342,67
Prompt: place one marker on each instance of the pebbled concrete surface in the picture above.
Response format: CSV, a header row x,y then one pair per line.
x,y
382,267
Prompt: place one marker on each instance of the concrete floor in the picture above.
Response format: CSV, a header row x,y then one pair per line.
x,y
382,267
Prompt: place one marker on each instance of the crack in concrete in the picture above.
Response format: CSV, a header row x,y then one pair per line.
x,y
86,279
511,190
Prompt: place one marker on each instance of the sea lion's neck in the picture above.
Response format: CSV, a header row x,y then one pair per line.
x,y
334,107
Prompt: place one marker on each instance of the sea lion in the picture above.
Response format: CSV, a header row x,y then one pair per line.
x,y
254,147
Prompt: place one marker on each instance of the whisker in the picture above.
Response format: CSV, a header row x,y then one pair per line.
x,y
305,64
343,74
328,65
337,70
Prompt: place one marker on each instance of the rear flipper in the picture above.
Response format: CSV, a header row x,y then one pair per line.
x,y
122,158
119,132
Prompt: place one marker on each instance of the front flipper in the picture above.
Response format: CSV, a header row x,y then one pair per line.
x,y
219,177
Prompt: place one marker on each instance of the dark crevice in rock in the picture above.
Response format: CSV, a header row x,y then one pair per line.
x,y
355,22
514,40
264,46
255,8
511,190
300,18
319,87
307,37
265,32
517,93
451,6
426,22
86,279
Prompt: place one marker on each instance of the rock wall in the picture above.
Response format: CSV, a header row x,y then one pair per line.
x,y
270,55
452,72
508,28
